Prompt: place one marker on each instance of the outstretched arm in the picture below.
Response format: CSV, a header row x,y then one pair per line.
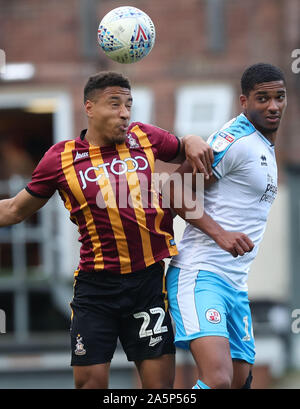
x,y
19,208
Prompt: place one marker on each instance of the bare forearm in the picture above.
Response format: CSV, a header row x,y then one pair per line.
x,y
8,213
19,208
235,243
208,226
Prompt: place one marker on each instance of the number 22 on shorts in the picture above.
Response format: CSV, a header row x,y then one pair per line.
x,y
158,327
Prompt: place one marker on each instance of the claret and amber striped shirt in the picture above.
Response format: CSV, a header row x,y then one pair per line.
x,y
109,194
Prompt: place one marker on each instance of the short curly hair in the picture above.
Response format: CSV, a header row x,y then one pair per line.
x,y
102,80
258,73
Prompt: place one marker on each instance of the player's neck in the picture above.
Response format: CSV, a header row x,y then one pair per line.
x,y
270,136
93,137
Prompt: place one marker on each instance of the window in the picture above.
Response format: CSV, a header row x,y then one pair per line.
x,y
142,108
41,249
202,109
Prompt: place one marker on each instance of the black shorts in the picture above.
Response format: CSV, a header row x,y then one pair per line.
x,y
131,307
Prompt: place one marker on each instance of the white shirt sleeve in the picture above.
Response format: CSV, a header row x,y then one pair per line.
x,y
230,154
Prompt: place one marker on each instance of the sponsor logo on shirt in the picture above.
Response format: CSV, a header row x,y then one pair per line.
x,y
270,191
116,167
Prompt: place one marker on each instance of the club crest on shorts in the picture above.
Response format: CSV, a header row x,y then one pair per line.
x,y
79,347
213,316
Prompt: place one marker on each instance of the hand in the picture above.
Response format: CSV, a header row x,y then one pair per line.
x,y
199,154
237,244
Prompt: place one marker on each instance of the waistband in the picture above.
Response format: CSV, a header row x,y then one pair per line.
x,y
99,275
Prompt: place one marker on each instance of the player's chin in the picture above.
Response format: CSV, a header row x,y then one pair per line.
x,y
271,129
272,125
119,139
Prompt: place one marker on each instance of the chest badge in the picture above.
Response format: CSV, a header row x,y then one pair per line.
x,y
132,142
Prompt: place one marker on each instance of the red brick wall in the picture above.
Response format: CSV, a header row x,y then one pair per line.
x,y
47,33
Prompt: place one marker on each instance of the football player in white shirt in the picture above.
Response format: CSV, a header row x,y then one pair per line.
x,y
207,284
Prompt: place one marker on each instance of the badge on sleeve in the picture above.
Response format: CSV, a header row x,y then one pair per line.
x,y
221,141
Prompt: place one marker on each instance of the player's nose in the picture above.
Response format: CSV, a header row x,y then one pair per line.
x,y
124,112
273,105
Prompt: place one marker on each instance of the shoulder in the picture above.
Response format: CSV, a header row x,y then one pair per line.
x,y
236,130
137,125
239,127
164,145
58,147
146,128
154,134
53,154
231,140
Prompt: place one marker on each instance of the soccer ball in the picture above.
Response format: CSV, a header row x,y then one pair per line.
x,y
126,34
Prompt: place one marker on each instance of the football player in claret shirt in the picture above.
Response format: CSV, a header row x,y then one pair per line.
x,y
119,289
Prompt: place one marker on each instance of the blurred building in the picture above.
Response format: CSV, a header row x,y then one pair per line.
x,y
188,84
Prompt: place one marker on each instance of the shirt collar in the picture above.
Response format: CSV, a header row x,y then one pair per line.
x,y
266,140
82,134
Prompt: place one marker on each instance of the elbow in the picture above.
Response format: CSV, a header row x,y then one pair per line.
x,y
17,219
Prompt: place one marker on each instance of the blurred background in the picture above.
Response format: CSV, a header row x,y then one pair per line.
x,y
188,84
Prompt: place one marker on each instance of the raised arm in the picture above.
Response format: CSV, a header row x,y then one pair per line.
x,y
19,208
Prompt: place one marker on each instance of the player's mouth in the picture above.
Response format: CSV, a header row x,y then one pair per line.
x,y
123,127
273,119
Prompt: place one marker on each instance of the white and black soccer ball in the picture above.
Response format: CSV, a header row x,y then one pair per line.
x,y
126,34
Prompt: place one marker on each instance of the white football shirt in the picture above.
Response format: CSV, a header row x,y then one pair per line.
x,y
240,200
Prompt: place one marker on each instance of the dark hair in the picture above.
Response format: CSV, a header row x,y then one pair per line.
x,y
258,73
103,80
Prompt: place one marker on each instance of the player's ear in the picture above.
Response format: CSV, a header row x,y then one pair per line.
x,y
89,105
243,101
